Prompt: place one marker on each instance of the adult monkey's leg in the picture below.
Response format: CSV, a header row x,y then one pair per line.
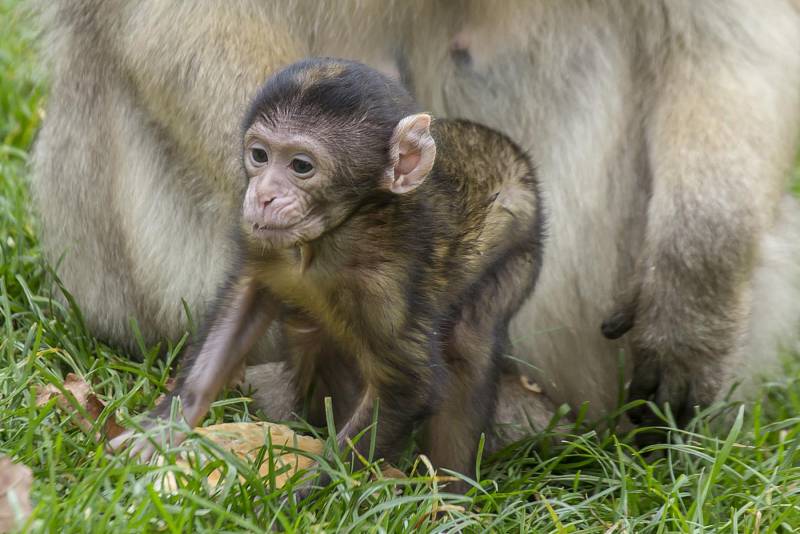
x,y
721,140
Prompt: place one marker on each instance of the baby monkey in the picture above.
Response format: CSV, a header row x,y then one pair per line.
x,y
391,250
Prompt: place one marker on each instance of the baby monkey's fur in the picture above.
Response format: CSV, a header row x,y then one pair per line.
x,y
401,296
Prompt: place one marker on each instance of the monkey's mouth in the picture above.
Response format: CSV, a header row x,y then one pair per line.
x,y
274,235
271,227
284,234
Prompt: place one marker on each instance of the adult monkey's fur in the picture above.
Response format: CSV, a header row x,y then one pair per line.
x,y
664,133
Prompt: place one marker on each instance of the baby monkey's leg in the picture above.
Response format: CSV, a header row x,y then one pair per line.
x,y
404,379
468,400
241,315
473,352
399,386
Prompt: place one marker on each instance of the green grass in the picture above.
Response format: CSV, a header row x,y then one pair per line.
x,y
747,480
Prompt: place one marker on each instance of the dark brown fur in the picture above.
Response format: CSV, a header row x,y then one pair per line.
x,y
407,301
417,294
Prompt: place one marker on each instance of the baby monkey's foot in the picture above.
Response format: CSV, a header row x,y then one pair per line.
x,y
154,434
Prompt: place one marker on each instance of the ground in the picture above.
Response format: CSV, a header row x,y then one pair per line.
x,y
739,477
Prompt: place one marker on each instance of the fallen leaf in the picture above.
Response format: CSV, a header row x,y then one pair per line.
x,y
15,487
112,429
73,384
245,441
390,471
83,396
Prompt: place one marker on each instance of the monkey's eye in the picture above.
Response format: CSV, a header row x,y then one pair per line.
x,y
302,167
259,155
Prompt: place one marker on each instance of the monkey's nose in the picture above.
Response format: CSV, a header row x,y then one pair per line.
x,y
265,203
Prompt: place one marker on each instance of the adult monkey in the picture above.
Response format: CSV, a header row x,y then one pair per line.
x,y
664,132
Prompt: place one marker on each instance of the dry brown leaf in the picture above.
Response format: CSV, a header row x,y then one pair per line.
x,y
390,471
15,487
245,440
112,429
74,384
81,391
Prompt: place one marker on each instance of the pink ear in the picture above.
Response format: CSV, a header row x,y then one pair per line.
x,y
413,152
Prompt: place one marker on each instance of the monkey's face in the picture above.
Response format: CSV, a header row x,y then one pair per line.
x,y
298,188
288,176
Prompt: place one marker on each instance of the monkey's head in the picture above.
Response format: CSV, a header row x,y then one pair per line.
x,y
321,138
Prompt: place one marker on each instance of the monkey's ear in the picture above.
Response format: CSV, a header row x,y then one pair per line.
x,y
413,151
